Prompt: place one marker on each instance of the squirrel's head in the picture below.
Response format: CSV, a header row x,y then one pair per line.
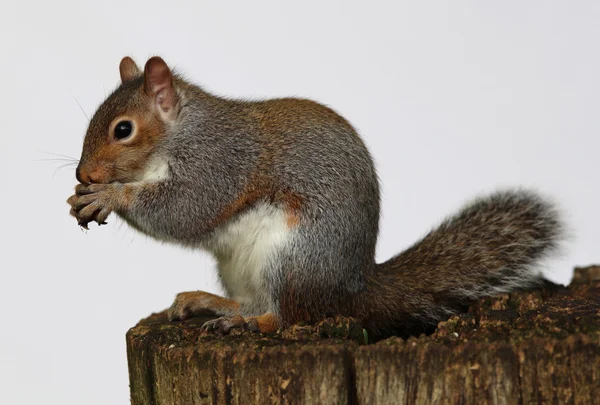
x,y
127,128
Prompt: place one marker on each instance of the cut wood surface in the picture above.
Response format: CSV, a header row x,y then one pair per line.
x,y
540,347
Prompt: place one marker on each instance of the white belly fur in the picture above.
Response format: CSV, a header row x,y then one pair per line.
x,y
245,246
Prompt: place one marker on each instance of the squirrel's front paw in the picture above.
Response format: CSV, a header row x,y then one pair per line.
x,y
93,202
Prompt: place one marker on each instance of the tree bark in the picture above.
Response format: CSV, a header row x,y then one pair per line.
x,y
524,348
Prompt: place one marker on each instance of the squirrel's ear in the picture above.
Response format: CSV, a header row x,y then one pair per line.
x,y
128,69
158,84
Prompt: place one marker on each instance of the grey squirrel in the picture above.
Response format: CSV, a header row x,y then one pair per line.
x,y
284,194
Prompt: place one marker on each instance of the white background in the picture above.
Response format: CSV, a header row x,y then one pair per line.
x,y
454,99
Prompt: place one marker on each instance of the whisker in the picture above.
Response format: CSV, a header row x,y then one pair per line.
x,y
74,161
59,168
80,107
58,154
71,162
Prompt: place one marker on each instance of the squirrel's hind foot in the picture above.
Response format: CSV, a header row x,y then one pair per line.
x,y
266,323
193,303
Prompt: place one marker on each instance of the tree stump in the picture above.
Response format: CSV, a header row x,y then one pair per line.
x,y
522,348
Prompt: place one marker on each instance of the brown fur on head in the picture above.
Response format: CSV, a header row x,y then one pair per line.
x,y
141,107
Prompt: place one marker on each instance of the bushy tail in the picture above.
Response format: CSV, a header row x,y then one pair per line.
x,y
491,246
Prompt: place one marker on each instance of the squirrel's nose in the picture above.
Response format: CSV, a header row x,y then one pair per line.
x,y
82,176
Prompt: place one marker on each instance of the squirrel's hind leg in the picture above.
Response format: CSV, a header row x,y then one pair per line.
x,y
192,303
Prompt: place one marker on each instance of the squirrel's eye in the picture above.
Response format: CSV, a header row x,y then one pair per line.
x,y
123,129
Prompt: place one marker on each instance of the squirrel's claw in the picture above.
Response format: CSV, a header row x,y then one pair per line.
x,y
225,324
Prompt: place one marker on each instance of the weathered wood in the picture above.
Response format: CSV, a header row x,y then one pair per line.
x,y
524,348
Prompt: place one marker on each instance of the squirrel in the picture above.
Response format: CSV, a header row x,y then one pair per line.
x,y
285,195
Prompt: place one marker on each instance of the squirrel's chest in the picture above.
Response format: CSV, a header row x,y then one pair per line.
x,y
246,250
